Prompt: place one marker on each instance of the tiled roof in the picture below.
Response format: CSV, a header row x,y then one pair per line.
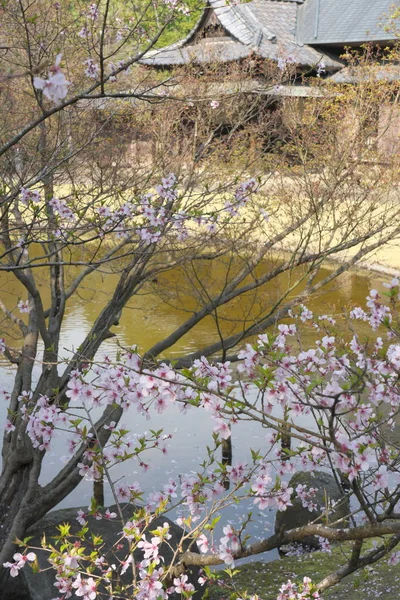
x,y
280,17
223,49
266,28
344,21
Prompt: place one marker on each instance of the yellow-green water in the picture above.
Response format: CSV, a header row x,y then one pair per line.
x,y
165,303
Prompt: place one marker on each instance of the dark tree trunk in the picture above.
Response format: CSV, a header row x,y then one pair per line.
x,y
19,492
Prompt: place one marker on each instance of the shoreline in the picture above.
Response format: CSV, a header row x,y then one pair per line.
x,y
388,265
378,268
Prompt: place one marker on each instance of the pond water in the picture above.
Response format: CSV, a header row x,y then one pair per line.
x,y
151,316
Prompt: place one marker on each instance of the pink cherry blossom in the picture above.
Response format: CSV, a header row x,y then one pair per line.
x,y
20,561
203,543
23,306
181,585
85,588
222,429
92,68
55,87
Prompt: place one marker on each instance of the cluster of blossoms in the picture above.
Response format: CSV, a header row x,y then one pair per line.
x,y
83,32
150,586
42,422
151,549
328,373
115,221
86,588
153,211
321,68
307,497
196,491
177,5
252,356
242,196
23,306
28,195
269,495
324,545
153,215
129,385
293,591
55,87
394,559
148,218
20,561
81,515
93,12
378,313
62,209
283,62
92,68
151,573
229,544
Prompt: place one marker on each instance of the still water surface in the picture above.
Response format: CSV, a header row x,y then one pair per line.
x,y
149,317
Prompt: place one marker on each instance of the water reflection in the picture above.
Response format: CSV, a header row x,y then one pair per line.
x,y
166,302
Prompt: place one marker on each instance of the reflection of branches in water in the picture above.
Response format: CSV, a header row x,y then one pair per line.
x,y
227,457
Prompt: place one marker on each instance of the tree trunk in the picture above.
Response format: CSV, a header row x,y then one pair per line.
x,y
18,491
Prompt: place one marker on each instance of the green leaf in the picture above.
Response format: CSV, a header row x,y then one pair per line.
x,y
64,529
255,455
211,526
96,540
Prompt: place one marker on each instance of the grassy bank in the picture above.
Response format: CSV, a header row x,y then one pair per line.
x,y
378,581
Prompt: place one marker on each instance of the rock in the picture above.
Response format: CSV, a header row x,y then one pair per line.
x,y
328,494
13,588
40,586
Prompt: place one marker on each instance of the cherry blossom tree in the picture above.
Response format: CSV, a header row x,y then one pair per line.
x,y
348,384
62,217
